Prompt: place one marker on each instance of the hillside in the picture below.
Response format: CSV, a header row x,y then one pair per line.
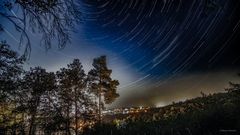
x,y
210,114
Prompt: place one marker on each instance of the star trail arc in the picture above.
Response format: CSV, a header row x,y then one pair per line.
x,y
163,37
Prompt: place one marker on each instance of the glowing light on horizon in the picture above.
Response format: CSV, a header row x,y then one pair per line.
x,y
160,104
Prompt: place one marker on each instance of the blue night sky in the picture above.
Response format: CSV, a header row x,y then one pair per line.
x,y
160,50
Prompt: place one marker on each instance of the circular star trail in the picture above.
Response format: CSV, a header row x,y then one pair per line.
x,y
164,38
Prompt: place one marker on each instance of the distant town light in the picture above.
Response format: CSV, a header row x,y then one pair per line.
x,y
160,104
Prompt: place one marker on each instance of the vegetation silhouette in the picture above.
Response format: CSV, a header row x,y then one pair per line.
x,y
102,84
52,19
70,102
38,101
213,114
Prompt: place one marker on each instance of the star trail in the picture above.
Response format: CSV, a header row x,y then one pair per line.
x,y
161,47
174,36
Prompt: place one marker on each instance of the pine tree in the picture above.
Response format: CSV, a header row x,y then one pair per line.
x,y
36,83
101,84
10,71
72,81
65,97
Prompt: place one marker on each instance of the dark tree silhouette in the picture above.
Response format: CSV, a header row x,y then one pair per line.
x,y
102,84
233,86
10,71
36,83
73,85
53,19
40,100
65,97
73,95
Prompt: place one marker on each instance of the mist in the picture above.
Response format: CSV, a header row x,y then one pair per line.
x,y
185,86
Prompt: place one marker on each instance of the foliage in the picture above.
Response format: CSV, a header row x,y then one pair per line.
x,y
209,115
10,71
73,95
38,100
65,102
36,84
53,19
102,84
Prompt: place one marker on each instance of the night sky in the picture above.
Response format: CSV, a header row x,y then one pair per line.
x,y
160,50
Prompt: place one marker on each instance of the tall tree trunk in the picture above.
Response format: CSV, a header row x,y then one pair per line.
x,y
99,102
68,121
14,126
76,113
33,118
32,125
99,107
22,130
15,119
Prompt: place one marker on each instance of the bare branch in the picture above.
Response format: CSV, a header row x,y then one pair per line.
x,y
53,19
